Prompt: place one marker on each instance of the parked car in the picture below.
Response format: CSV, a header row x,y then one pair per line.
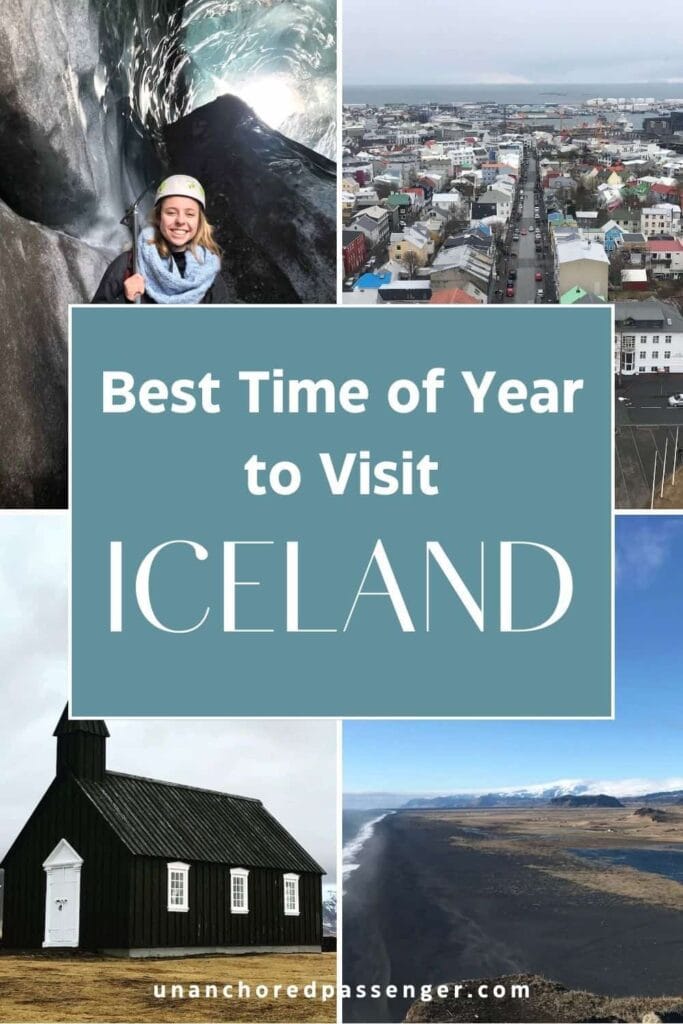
x,y
539,275
539,295
675,399
510,291
512,274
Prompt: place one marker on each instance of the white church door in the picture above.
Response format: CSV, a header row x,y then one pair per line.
x,y
62,896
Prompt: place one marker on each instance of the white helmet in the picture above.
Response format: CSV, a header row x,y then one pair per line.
x,y
181,185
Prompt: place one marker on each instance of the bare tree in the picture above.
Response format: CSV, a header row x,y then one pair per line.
x,y
618,262
457,221
411,262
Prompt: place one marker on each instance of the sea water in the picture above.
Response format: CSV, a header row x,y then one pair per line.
x,y
358,827
666,862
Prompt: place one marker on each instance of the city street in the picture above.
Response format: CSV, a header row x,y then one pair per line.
x,y
525,260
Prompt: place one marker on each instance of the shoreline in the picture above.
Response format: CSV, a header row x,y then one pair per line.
x,y
423,909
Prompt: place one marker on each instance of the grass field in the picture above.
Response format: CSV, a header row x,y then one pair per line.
x,y
545,835
41,988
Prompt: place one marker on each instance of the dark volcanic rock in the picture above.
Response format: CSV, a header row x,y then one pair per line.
x,y
654,813
547,1001
599,800
272,201
41,271
44,48
63,143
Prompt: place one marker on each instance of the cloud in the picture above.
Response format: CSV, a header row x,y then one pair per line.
x,y
501,78
289,765
643,548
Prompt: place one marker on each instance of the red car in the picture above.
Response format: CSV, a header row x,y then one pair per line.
x,y
539,275
523,230
510,291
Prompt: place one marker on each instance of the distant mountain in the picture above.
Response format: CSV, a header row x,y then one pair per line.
x,y
330,914
505,798
535,796
673,797
628,791
597,800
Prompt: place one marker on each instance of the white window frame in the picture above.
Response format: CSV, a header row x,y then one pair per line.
x,y
287,881
176,867
236,873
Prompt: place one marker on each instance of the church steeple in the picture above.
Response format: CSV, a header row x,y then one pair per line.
x,y
81,747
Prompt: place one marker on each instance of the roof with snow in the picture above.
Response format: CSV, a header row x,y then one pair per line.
x,y
577,249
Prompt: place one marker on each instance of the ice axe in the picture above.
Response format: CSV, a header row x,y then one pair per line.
x,y
130,219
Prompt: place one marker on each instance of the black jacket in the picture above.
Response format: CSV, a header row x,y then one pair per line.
x,y
110,288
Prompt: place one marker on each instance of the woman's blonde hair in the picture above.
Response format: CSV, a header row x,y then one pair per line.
x,y
203,237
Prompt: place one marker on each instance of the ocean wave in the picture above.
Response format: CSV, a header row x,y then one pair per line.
x,y
352,849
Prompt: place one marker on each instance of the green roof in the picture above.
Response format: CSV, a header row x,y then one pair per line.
x,y
572,296
641,189
398,199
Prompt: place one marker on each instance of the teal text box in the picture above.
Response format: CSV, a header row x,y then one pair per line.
x,y
143,480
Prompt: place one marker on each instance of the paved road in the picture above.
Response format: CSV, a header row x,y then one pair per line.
x,y
644,400
649,433
526,260
526,257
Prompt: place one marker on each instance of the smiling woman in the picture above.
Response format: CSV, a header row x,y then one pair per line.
x,y
176,260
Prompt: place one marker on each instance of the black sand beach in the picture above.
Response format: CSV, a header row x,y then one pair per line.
x,y
422,910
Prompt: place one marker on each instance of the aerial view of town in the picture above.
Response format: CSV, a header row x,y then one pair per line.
x,y
522,184
486,202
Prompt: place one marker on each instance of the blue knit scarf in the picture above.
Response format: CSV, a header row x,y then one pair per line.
x,y
163,281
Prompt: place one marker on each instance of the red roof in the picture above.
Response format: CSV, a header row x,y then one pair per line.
x,y
452,296
657,246
664,190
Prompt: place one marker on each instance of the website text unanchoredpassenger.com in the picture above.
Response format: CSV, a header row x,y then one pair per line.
x,y
326,992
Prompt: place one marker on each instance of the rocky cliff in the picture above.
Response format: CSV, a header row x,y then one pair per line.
x,y
547,1001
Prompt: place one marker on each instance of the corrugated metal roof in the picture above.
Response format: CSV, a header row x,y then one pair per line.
x,y
163,819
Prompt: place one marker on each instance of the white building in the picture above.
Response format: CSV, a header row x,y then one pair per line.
x,y
648,337
662,219
580,263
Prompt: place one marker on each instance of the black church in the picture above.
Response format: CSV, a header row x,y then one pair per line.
x,y
132,866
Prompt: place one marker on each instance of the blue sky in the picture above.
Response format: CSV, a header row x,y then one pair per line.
x,y
645,742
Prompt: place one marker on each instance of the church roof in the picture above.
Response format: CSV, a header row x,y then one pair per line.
x,y
165,819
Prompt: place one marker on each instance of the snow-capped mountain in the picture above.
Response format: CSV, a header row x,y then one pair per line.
x,y
330,914
655,790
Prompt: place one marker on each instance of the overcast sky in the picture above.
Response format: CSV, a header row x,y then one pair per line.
x,y
288,765
449,41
